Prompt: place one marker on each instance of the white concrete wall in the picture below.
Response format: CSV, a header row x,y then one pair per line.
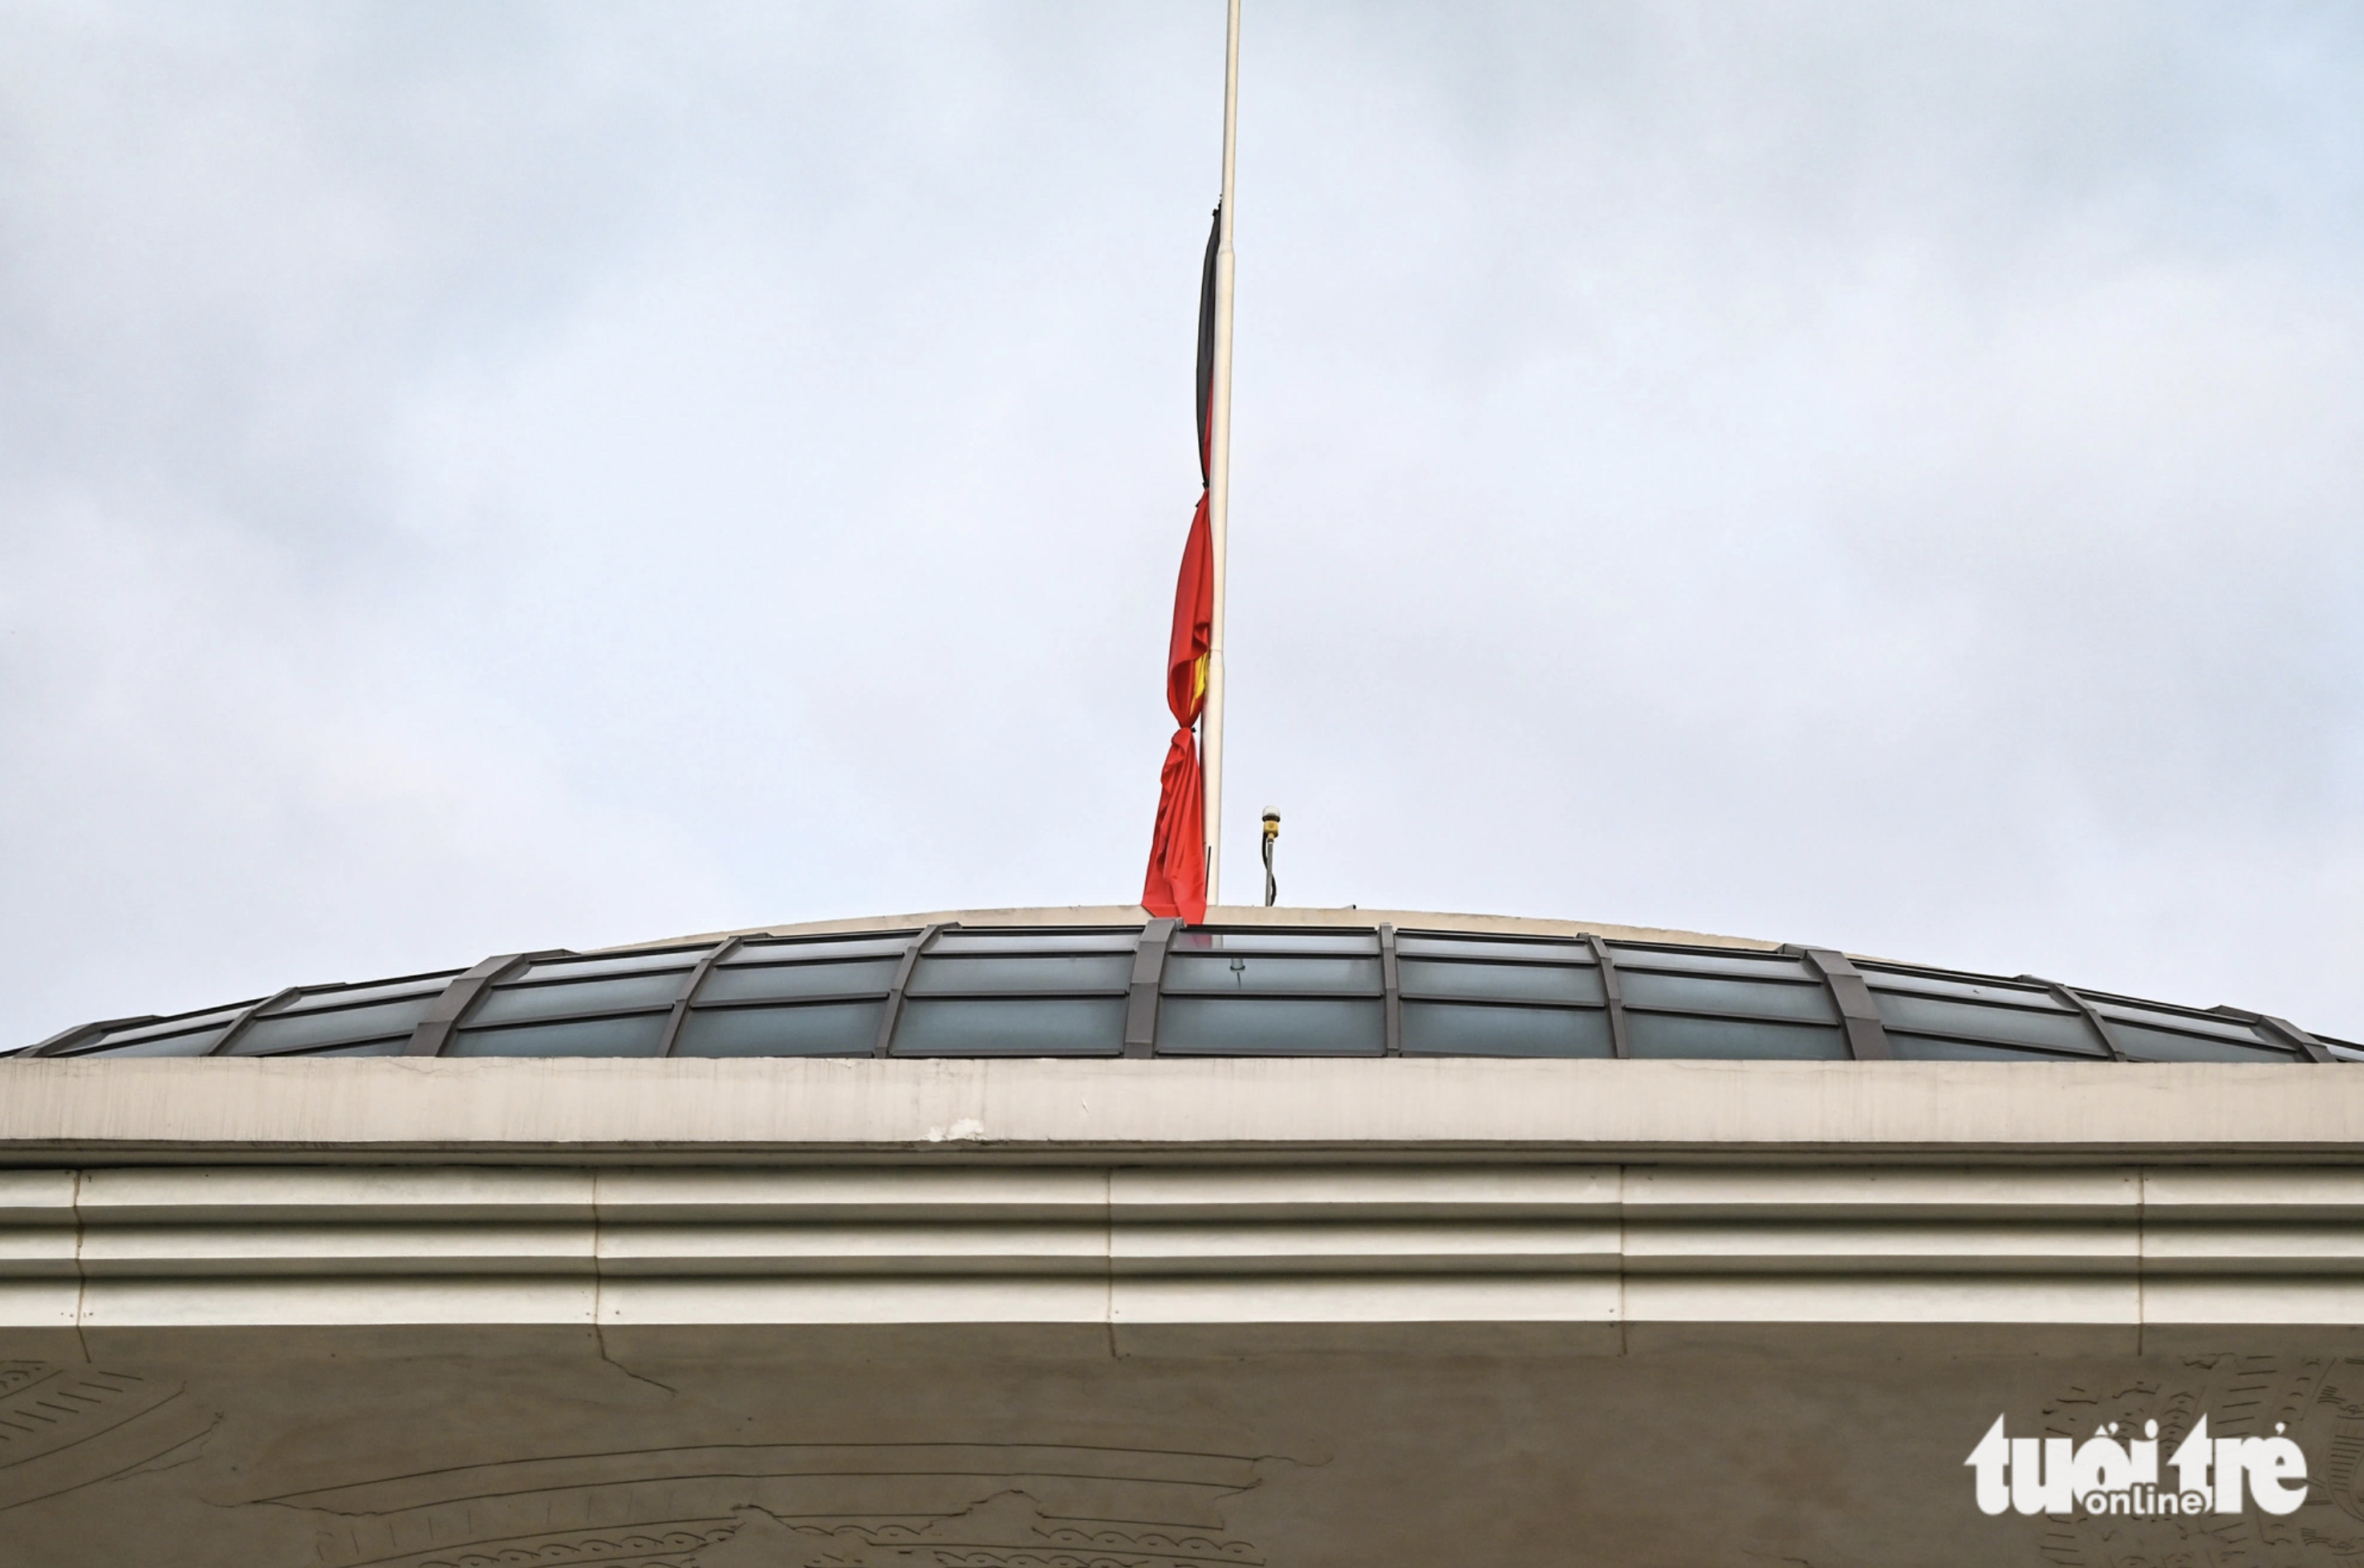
x,y
1230,1206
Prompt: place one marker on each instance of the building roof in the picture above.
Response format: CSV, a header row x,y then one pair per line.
x,y
1109,982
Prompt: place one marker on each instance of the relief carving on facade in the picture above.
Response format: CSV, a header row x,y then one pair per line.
x,y
860,1506
2242,1395
64,1428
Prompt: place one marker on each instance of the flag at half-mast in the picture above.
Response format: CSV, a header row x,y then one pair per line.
x,y
1176,884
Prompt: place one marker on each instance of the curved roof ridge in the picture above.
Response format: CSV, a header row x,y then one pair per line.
x,y
1223,915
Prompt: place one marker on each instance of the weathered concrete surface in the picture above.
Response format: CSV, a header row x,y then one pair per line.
x,y
979,1457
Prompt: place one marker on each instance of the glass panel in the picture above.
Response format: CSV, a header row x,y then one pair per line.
x,y
196,1044
1242,972
2065,1030
1641,990
2218,1028
1513,982
218,1019
2141,1044
1494,949
1228,1025
1110,971
353,995
780,982
586,1037
1275,941
1659,1035
515,1003
829,950
1965,989
1077,1027
1921,1048
1693,961
590,968
367,1048
1036,941
833,1029
294,1031
1445,1028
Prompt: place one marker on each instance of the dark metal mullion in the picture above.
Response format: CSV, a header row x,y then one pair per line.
x,y
749,963
589,1015
1097,994
787,957
1579,959
316,1047
66,1040
238,1025
1106,948
1111,951
594,1015
958,1053
757,1003
892,1012
444,1013
1552,1003
1280,995
1717,976
698,974
2031,1048
328,1046
1953,976
1866,1036
420,986
609,979
2084,1010
1054,952
1641,954
1657,1009
2024,1002
1140,994
1084,994
1990,1003
1279,955
332,1010
1574,954
1391,987
1613,997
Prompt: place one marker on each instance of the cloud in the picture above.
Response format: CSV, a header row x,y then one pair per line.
x,y
473,480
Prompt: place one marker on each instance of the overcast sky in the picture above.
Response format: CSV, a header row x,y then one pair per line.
x,y
484,477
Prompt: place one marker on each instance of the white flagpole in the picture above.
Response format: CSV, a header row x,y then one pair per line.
x,y
1218,471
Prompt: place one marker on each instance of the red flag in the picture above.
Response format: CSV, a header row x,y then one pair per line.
x,y
1178,849
1176,885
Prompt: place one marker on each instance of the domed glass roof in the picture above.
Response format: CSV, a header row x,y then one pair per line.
x,y
1327,985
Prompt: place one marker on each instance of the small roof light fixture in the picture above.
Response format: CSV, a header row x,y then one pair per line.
x,y
1271,837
